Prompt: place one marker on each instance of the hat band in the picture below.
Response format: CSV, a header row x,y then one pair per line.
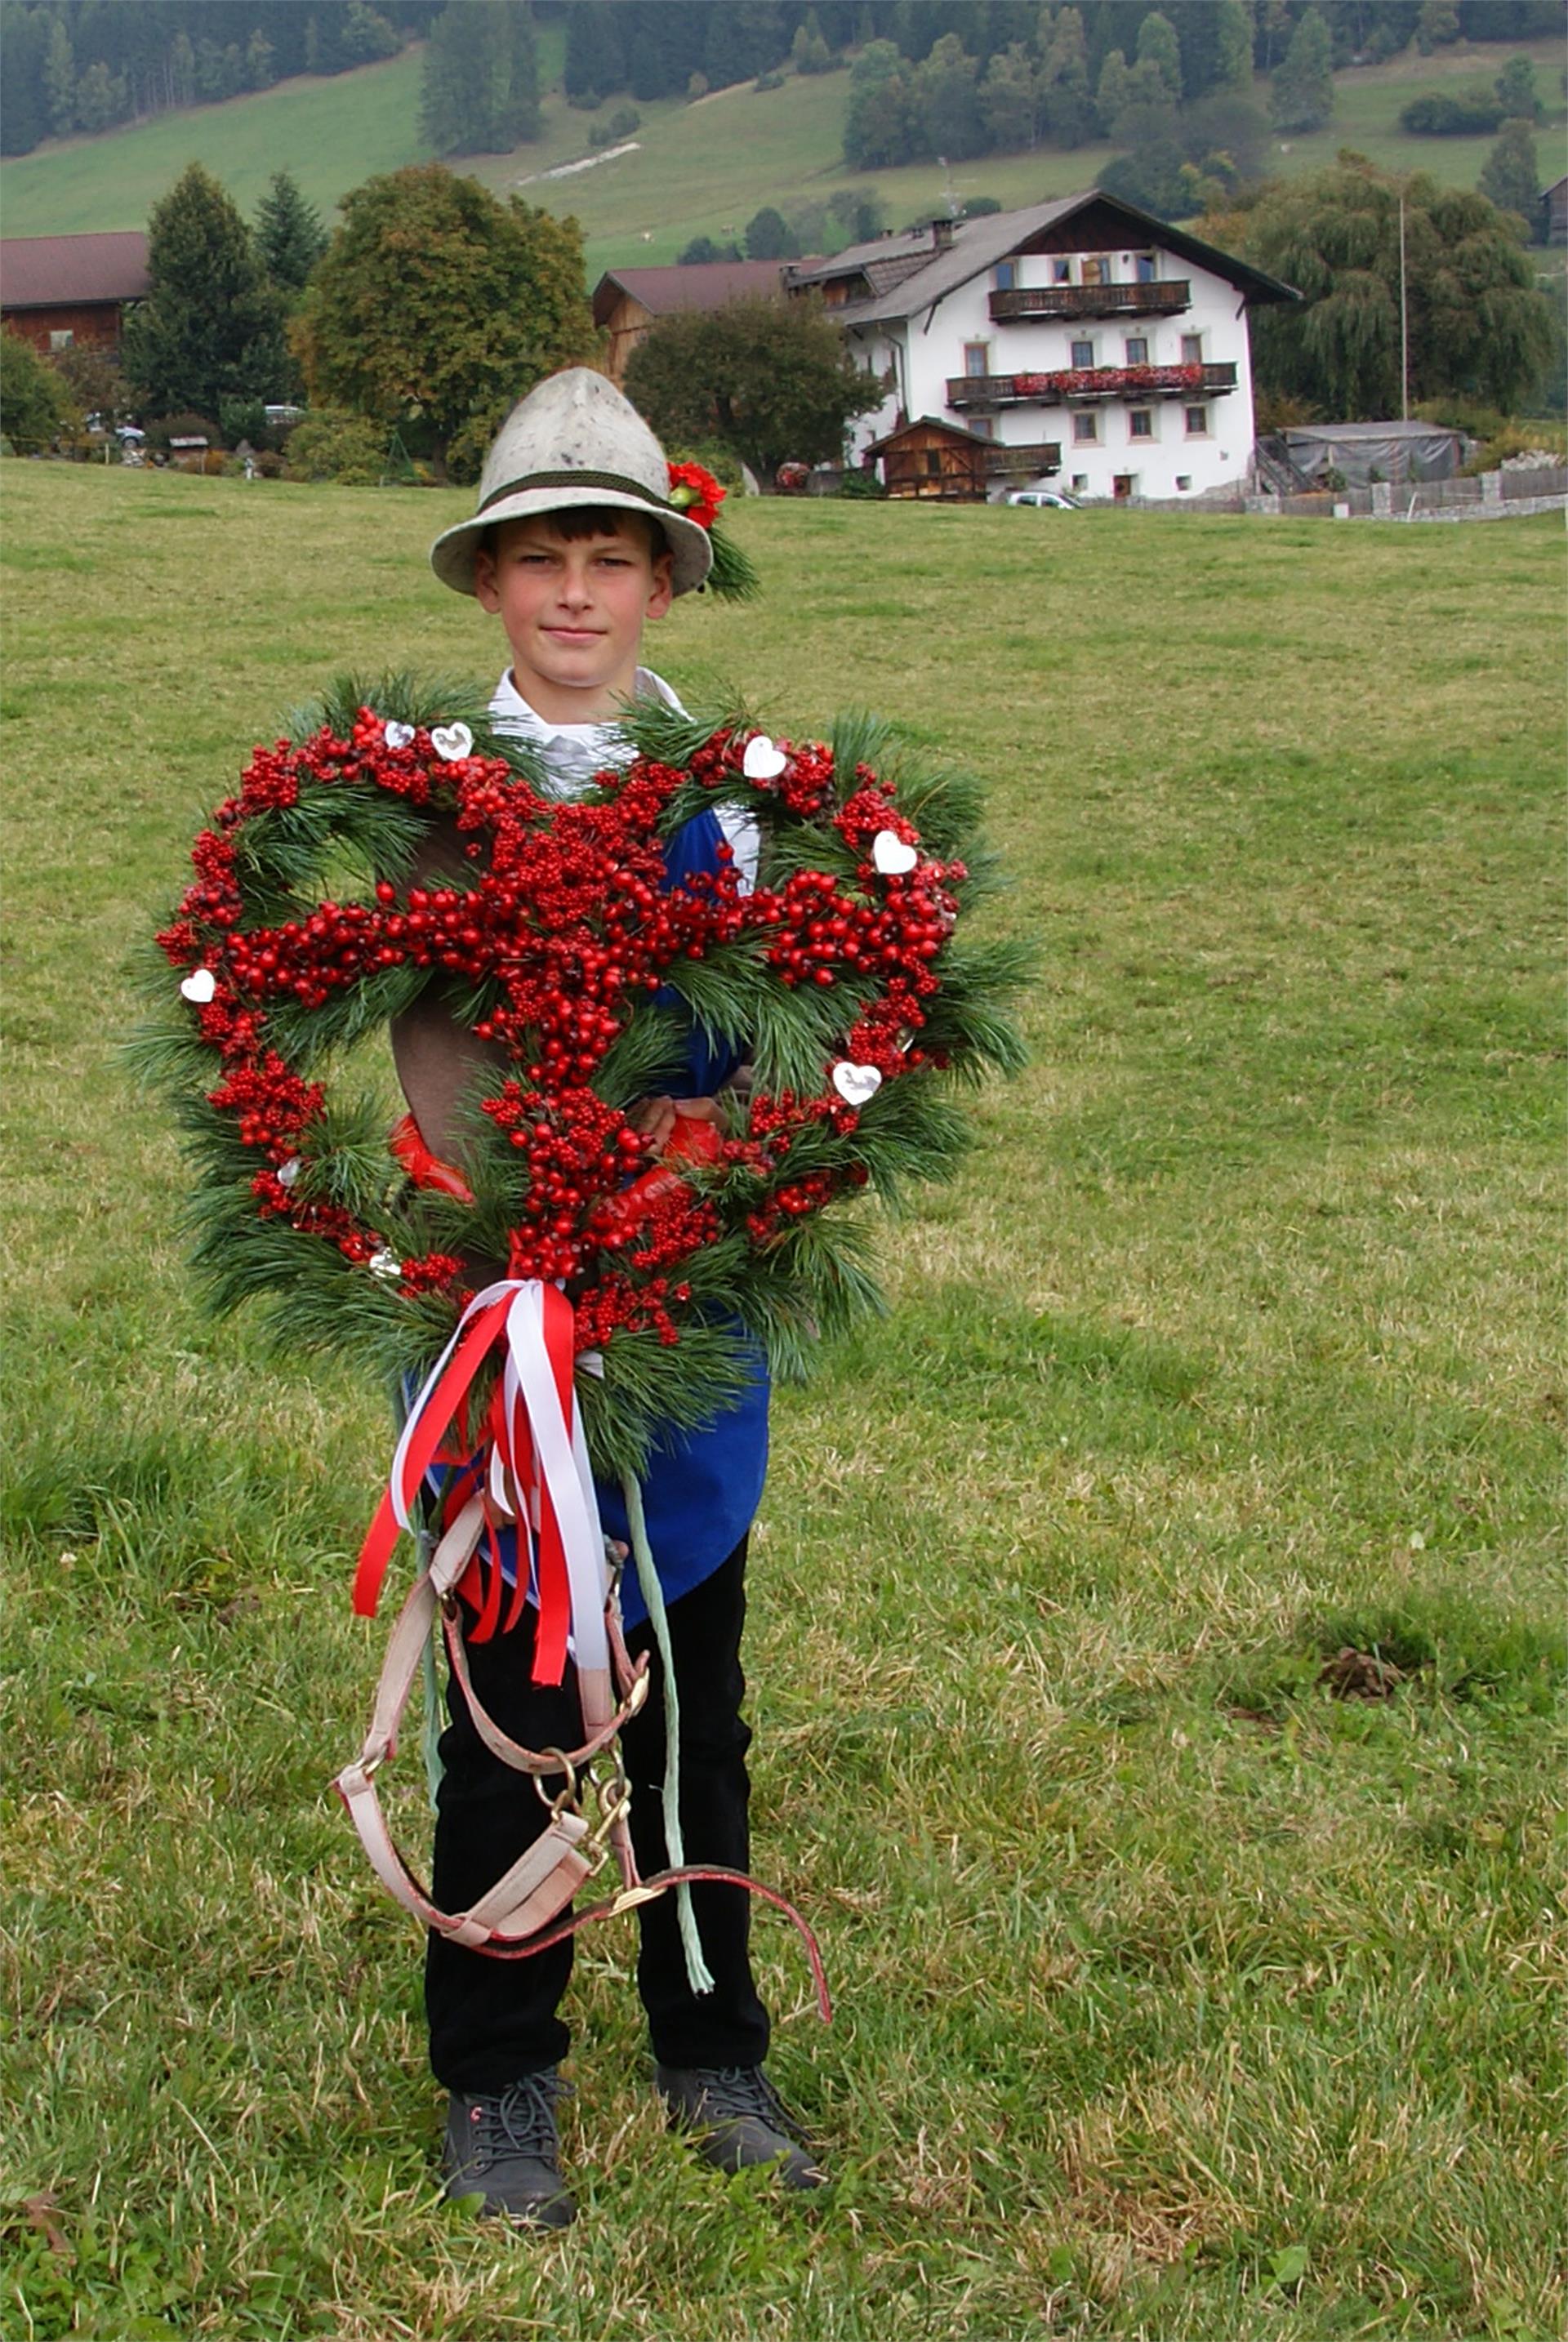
x,y
575,479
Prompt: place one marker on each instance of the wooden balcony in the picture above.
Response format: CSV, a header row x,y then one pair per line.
x,y
1079,385
1035,460
1024,302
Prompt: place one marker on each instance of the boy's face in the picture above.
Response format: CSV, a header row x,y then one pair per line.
x,y
574,610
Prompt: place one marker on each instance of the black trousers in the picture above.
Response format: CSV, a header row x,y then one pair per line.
x,y
492,2021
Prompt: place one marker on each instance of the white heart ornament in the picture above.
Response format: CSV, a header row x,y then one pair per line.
x,y
385,1263
199,986
287,1173
763,761
452,742
892,855
397,736
855,1084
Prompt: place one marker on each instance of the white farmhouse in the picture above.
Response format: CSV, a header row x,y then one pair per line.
x,y
1083,338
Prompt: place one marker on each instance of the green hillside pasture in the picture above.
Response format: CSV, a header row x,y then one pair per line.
x,y
697,170
1178,1997
1368,101
332,133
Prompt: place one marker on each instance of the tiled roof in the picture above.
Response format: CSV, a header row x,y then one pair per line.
x,y
705,285
55,272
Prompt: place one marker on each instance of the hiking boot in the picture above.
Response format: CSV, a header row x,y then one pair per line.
x,y
507,2151
737,2119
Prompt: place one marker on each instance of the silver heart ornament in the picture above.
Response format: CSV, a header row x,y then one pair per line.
x,y
199,986
763,761
397,736
855,1084
452,742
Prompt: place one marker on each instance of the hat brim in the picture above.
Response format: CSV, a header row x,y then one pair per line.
x,y
691,549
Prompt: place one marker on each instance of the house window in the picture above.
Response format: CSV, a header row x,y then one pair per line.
x,y
977,358
1006,275
983,426
1097,271
1082,354
933,460
1183,480
1061,272
1192,349
1080,479
65,339
1086,427
1144,267
1141,423
1137,349
1197,422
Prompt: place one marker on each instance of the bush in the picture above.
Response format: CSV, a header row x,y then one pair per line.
x,y
333,445
624,121
269,463
242,418
981,206
766,81
187,425
863,485
702,249
1435,116
93,385
31,397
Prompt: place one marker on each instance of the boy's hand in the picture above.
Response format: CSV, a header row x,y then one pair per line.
x,y
655,1117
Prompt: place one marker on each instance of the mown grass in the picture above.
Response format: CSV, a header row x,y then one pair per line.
x,y
697,171
1179,1999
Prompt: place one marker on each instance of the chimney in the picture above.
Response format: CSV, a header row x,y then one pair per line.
x,y
942,234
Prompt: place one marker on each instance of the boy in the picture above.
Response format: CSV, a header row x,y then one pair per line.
x,y
576,547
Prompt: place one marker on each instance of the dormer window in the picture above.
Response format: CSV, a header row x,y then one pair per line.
x,y
1006,275
1142,268
1061,272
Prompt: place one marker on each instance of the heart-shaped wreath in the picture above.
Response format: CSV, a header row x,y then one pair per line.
x,y
840,980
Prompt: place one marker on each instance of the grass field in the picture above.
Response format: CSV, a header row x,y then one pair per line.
x,y
697,171
1180,1998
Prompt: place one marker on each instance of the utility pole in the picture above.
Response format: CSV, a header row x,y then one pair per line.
x,y
1403,324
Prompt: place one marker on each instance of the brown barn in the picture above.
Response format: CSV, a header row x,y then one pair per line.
x,y
1554,210
70,292
628,302
927,458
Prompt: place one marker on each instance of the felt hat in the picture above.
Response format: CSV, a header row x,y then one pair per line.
x,y
573,440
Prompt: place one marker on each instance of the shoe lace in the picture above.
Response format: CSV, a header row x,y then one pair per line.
x,y
732,2093
522,2120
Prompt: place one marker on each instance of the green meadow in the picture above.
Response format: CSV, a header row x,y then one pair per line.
x,y
699,170
1156,1640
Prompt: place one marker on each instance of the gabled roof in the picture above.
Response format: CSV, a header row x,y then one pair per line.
x,y
927,273
928,422
703,284
56,272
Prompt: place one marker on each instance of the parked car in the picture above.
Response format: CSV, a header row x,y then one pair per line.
x,y
1053,499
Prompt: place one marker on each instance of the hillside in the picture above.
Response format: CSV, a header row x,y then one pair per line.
x,y
699,170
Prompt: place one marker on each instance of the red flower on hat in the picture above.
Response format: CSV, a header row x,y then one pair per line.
x,y
696,493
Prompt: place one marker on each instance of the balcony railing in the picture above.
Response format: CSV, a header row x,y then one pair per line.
x,y
1080,383
1091,301
1030,462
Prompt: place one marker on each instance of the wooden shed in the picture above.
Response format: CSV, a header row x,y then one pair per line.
x,y
70,292
629,302
929,458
